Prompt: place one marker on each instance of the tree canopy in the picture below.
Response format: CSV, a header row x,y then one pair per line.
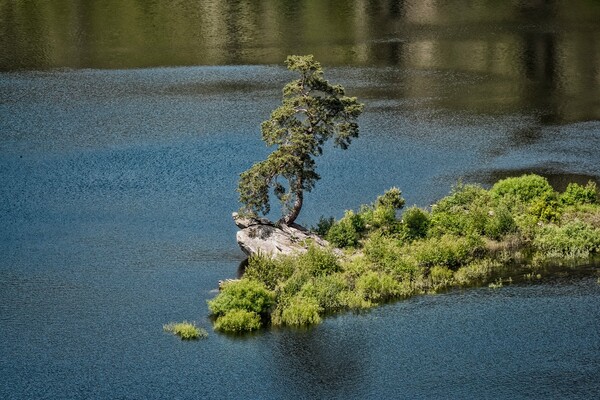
x,y
312,112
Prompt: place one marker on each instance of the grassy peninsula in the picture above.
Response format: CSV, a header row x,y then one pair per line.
x,y
521,228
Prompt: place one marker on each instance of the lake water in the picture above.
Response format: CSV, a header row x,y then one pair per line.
x,y
124,127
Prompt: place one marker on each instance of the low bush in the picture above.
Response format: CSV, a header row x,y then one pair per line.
x,y
589,214
323,226
318,261
462,197
353,300
185,330
476,273
499,223
245,294
389,256
346,232
524,189
286,290
449,223
546,207
440,277
379,217
576,194
392,198
573,240
269,271
377,287
326,290
465,212
416,222
448,251
300,311
237,321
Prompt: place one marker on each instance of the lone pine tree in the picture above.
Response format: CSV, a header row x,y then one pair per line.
x,y
312,112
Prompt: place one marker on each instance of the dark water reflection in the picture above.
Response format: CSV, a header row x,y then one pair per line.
x,y
117,184
530,54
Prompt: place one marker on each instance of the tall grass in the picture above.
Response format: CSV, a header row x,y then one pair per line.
x,y
185,330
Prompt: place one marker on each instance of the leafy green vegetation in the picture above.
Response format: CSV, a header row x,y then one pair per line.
x,y
312,112
240,305
471,237
238,320
185,330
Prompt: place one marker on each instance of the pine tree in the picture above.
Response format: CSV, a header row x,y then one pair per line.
x,y
312,112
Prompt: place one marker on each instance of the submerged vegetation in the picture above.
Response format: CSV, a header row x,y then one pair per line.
x,y
185,330
472,237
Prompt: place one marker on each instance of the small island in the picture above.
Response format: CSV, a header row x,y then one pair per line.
x,y
519,229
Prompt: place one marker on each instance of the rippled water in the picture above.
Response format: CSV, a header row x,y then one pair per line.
x,y
117,185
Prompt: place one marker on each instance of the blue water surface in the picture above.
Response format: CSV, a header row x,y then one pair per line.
x,y
116,193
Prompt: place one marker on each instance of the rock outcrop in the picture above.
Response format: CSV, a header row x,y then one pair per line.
x,y
259,235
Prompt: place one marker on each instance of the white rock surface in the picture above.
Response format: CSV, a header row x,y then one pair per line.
x,y
259,235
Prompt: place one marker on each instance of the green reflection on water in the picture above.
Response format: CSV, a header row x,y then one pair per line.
x,y
515,53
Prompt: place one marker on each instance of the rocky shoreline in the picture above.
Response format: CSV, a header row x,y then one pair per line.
x,y
261,236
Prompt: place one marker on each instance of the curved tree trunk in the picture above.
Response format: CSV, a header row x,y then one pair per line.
x,y
295,211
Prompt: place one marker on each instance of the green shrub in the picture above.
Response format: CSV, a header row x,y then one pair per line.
x,y
546,207
318,261
573,240
356,266
354,301
527,225
379,217
500,223
588,213
346,232
269,271
448,223
465,212
244,294
449,251
236,321
300,311
287,289
185,330
462,197
525,188
392,198
576,194
377,287
326,290
323,226
440,277
416,222
388,255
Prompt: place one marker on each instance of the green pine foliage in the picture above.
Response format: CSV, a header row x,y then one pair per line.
x,y
312,112
471,237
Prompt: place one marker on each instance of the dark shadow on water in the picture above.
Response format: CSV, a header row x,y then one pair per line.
x,y
557,179
319,360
